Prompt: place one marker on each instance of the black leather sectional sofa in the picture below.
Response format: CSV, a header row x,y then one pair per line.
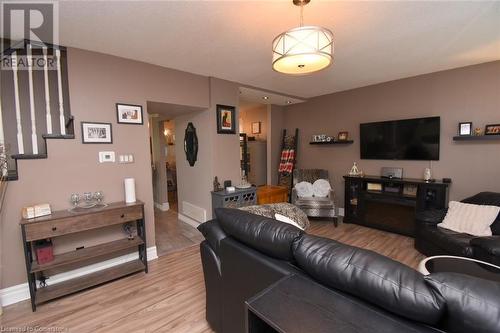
x,y
245,253
432,240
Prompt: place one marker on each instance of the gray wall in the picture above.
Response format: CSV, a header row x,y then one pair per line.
x,y
96,83
464,94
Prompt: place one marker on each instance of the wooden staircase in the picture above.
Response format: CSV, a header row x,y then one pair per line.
x,y
34,100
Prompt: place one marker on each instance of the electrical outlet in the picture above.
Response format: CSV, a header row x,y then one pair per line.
x,y
127,158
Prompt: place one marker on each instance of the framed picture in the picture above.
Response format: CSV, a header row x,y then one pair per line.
x,y
96,132
343,136
129,114
465,129
226,119
492,129
256,127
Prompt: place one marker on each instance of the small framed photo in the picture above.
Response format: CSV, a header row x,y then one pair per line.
x,y
129,114
492,129
96,132
226,119
256,127
343,136
465,129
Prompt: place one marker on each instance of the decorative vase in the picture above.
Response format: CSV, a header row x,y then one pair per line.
x,y
427,174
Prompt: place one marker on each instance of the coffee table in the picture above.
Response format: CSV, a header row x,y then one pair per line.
x,y
462,265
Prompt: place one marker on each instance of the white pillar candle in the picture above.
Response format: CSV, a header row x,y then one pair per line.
x,y
129,190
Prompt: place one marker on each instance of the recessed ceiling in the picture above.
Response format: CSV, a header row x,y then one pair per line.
x,y
250,96
375,41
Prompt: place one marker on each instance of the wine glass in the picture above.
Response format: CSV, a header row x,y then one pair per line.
x,y
88,196
99,196
75,199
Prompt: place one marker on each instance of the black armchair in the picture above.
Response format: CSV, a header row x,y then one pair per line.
x,y
432,240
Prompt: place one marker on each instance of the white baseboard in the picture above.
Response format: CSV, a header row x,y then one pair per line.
x,y
188,220
21,292
162,206
341,212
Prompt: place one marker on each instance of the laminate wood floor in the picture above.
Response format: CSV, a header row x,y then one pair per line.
x,y
171,234
171,298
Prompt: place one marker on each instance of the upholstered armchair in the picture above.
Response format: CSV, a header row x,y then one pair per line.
x,y
314,206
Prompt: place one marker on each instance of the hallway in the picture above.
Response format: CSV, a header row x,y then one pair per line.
x,y
172,234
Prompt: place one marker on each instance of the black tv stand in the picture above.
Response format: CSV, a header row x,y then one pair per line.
x,y
390,204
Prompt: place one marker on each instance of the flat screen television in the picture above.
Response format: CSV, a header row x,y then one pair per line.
x,y
409,139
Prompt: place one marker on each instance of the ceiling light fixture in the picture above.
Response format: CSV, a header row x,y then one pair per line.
x,y
302,50
265,98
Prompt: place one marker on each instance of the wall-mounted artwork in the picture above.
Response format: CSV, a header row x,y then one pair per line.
x,y
191,144
226,119
492,129
96,132
256,127
129,114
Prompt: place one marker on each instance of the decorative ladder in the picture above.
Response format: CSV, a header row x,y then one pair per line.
x,y
34,99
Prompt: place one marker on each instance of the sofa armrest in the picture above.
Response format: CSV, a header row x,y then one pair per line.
x,y
432,217
490,244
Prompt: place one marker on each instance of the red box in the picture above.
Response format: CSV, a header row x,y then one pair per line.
x,y
44,253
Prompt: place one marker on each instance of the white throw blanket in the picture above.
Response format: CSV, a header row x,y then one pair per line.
x,y
470,219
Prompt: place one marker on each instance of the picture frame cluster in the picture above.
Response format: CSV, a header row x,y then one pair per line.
x,y
467,129
102,133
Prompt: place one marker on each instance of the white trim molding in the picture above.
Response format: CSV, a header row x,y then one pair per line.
x,y
21,292
341,212
162,206
188,220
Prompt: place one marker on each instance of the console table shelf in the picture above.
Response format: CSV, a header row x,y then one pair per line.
x,y
87,281
346,142
477,138
88,253
62,223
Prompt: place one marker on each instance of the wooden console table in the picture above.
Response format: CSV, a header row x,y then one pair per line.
x,y
61,223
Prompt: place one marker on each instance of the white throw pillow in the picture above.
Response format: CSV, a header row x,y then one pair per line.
x,y
304,189
321,188
470,219
283,218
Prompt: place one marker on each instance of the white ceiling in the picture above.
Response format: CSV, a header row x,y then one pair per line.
x,y
375,41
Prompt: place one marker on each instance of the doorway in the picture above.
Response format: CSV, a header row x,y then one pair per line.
x,y
171,233
253,141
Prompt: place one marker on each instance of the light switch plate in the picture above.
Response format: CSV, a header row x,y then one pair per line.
x,y
106,157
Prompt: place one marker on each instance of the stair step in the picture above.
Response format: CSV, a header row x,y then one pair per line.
x,y
29,156
58,136
11,175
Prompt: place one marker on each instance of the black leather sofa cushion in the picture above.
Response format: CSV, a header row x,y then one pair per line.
x,y
370,276
472,304
266,235
490,199
490,245
213,233
432,216
452,242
